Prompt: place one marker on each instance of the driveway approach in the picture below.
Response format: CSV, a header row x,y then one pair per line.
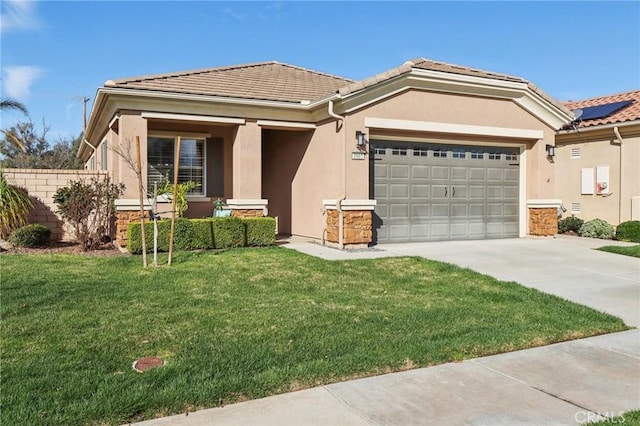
x,y
562,384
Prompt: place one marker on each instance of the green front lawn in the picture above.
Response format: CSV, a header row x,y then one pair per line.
x,y
630,418
245,324
626,250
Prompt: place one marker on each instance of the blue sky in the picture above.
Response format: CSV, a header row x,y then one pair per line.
x,y
54,52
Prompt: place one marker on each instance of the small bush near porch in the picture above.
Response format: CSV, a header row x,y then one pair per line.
x,y
245,324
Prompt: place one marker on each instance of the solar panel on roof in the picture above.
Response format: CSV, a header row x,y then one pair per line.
x,y
602,111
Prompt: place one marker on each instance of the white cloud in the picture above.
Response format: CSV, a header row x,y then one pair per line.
x,y
18,14
17,80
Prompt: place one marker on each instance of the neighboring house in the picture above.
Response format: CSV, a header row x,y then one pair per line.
x,y
598,159
426,151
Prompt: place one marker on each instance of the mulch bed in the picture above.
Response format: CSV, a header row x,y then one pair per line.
x,y
64,248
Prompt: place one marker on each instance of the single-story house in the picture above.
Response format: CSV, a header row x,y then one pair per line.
x,y
426,151
598,159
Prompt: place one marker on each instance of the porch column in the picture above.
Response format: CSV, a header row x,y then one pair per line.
x,y
247,172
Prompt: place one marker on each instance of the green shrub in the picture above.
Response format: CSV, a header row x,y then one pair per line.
x,y
34,235
228,232
629,231
570,223
596,228
261,231
191,234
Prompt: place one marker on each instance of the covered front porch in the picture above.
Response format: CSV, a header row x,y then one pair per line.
x,y
248,164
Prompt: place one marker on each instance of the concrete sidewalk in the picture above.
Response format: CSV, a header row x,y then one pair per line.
x,y
561,384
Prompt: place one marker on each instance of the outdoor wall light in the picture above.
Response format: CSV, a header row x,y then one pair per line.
x,y
361,141
551,150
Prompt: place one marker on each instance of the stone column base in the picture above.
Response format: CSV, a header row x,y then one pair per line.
x,y
123,219
357,222
543,217
248,208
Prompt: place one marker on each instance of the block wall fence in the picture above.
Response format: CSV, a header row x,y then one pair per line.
x,y
42,184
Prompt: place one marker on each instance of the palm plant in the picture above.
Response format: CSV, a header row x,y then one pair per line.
x,y
15,206
8,103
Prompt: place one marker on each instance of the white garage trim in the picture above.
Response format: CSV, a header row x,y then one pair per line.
x,y
459,129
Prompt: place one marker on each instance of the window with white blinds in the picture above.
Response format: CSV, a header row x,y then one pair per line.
x,y
160,158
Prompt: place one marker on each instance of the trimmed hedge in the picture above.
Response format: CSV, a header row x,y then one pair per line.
x,y
34,235
210,233
260,231
629,231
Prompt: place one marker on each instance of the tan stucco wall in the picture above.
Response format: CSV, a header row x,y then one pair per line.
x,y
601,149
306,165
458,109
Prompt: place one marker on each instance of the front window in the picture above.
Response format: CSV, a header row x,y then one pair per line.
x,y
160,156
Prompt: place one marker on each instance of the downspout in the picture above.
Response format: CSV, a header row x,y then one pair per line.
x,y
619,137
340,124
90,146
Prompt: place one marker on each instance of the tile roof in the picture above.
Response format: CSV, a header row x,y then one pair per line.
x,y
629,113
274,81
430,65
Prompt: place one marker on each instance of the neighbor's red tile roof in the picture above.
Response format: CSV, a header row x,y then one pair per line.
x,y
629,113
272,81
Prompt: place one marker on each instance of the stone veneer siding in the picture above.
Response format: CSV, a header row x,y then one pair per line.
x,y
357,226
123,218
247,212
41,185
543,221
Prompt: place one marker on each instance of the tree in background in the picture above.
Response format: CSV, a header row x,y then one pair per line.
x,y
24,146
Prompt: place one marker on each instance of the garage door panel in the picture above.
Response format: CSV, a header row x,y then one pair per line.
x,y
510,209
476,210
495,175
440,192
440,172
494,229
494,210
439,211
439,230
476,192
459,192
460,173
420,231
400,171
399,211
382,210
399,191
494,192
459,229
477,229
381,191
420,172
420,191
512,175
476,174
510,192
459,211
381,171
419,211
399,232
